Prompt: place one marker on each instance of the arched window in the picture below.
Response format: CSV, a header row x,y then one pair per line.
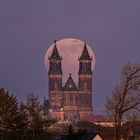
x,y
55,66
55,84
85,85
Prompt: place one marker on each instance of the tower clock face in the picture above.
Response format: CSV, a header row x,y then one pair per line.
x,y
70,49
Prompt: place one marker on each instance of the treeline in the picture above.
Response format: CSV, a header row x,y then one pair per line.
x,y
26,121
21,118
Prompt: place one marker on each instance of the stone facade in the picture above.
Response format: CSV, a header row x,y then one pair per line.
x,y
70,102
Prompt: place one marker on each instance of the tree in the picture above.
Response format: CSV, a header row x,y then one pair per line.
x,y
132,118
125,97
23,125
10,117
34,110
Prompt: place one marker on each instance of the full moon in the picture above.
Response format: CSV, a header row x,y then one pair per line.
x,y
70,49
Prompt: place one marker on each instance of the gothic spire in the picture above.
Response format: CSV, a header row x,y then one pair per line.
x,y
55,54
85,54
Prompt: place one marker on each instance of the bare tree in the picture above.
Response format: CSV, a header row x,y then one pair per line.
x,y
125,97
132,118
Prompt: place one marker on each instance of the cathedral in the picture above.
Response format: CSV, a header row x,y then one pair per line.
x,y
70,102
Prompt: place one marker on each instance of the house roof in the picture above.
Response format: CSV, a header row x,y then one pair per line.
x,y
91,136
94,118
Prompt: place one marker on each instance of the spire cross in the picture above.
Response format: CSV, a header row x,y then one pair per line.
x,y
85,43
70,74
55,42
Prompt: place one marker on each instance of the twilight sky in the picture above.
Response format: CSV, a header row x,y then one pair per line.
x,y
28,28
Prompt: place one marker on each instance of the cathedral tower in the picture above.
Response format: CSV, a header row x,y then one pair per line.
x,y
69,102
85,82
55,81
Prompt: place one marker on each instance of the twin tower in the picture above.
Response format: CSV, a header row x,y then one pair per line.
x,y
70,102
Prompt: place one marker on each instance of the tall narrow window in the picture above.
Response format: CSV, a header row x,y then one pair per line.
x,y
55,84
85,85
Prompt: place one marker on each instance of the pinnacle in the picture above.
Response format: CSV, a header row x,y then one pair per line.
x,y
85,54
55,53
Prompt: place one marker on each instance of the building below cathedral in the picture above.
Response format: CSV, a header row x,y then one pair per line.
x,y
69,102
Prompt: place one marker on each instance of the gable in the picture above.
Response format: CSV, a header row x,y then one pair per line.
x,y
97,137
70,85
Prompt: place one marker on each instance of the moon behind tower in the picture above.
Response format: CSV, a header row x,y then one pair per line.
x,y
70,49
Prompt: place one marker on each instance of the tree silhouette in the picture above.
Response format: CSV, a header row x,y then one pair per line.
x,y
125,97
34,110
10,117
